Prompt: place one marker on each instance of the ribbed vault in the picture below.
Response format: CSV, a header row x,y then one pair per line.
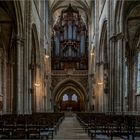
x,y
83,6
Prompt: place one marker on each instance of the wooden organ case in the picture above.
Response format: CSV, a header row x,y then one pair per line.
x,y
69,41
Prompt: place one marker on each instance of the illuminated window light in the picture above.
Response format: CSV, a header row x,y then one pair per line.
x,y
65,97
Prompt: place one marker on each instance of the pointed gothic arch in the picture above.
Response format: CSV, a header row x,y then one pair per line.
x,y
11,40
76,87
125,28
103,71
35,70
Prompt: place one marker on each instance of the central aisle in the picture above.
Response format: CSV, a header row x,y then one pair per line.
x,y
70,129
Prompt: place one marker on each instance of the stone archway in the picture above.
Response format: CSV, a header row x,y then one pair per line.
x,y
101,101
126,25
70,100
70,88
35,72
132,54
11,43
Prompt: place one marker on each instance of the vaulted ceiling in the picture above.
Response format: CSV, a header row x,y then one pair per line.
x,y
80,3
83,6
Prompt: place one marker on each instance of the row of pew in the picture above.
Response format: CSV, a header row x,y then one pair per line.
x,y
111,125
33,126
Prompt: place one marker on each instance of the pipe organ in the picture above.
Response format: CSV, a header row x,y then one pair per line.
x,y
69,41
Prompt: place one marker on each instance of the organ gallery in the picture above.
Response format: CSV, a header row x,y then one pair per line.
x,y
70,41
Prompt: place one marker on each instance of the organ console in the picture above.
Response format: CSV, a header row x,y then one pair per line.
x,y
69,41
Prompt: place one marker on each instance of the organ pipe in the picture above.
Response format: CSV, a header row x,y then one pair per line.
x,y
82,43
57,43
69,38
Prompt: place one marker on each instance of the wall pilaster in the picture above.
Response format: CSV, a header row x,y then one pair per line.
x,y
20,97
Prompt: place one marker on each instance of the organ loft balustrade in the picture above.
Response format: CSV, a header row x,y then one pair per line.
x,y
73,72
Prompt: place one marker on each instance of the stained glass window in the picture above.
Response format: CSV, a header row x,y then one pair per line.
x,y
74,97
65,97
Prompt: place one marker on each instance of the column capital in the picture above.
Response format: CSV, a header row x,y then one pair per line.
x,y
100,63
113,38
19,39
117,37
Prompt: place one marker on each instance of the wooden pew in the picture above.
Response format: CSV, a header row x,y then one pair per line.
x,y
110,125
31,126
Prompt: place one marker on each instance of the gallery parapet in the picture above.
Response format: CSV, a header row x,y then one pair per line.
x,y
73,72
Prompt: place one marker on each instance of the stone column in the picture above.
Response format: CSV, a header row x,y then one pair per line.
x,y
27,59
122,71
1,83
100,86
50,98
4,88
112,74
118,97
91,101
19,78
131,81
47,94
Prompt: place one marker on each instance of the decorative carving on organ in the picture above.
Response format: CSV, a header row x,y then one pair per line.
x,y
69,41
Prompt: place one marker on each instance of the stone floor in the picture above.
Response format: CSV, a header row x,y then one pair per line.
x,y
70,129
